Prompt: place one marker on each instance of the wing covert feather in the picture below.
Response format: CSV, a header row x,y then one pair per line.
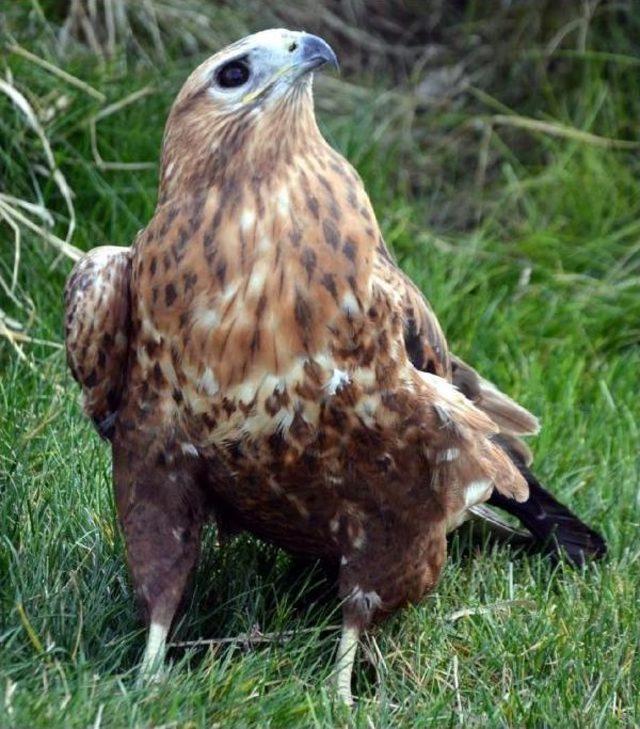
x,y
97,317
427,349
424,340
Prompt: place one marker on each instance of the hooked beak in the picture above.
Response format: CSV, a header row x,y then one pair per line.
x,y
314,52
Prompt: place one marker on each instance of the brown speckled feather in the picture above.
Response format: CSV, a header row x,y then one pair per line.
x,y
427,350
268,352
271,366
424,341
553,527
97,319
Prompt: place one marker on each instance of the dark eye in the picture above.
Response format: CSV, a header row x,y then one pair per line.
x,y
234,73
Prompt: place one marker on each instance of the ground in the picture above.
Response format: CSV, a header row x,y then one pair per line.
x,y
538,289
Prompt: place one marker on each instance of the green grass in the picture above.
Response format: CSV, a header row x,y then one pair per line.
x,y
541,294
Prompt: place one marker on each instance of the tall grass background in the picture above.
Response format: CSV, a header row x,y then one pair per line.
x,y
499,142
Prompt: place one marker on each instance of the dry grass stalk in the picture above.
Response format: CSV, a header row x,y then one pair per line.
x,y
9,212
252,637
108,111
57,71
488,609
555,129
20,102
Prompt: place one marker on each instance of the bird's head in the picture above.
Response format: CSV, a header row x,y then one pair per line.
x,y
252,95
256,71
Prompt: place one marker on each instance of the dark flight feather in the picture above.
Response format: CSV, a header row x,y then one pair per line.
x,y
554,527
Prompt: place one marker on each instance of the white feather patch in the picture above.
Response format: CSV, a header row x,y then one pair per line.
x,y
208,382
476,491
338,379
350,304
247,219
206,318
283,200
448,455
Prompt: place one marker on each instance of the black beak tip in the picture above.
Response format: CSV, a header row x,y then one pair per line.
x,y
317,52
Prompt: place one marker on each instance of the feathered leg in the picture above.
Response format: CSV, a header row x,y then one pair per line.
x,y
357,612
383,567
358,608
161,510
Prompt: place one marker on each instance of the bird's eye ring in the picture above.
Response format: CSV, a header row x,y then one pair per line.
x,y
232,74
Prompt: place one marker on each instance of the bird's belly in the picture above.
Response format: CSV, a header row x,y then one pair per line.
x,y
318,490
299,514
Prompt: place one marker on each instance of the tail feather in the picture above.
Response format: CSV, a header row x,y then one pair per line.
x,y
554,527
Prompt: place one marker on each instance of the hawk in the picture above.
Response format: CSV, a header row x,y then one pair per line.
x,y
257,358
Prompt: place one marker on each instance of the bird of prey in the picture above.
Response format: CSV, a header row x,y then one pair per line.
x,y
257,358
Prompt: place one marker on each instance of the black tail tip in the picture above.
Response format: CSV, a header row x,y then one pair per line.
x,y
578,544
556,530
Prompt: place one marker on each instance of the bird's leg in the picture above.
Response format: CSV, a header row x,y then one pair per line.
x,y
345,658
161,510
358,609
163,544
155,651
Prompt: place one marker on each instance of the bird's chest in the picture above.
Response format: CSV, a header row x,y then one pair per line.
x,y
247,315
249,279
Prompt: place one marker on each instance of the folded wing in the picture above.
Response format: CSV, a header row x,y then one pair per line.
x,y
97,318
428,351
552,525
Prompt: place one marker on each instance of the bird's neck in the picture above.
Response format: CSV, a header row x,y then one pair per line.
x,y
253,148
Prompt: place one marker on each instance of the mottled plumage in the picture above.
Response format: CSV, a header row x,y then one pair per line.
x,y
257,357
